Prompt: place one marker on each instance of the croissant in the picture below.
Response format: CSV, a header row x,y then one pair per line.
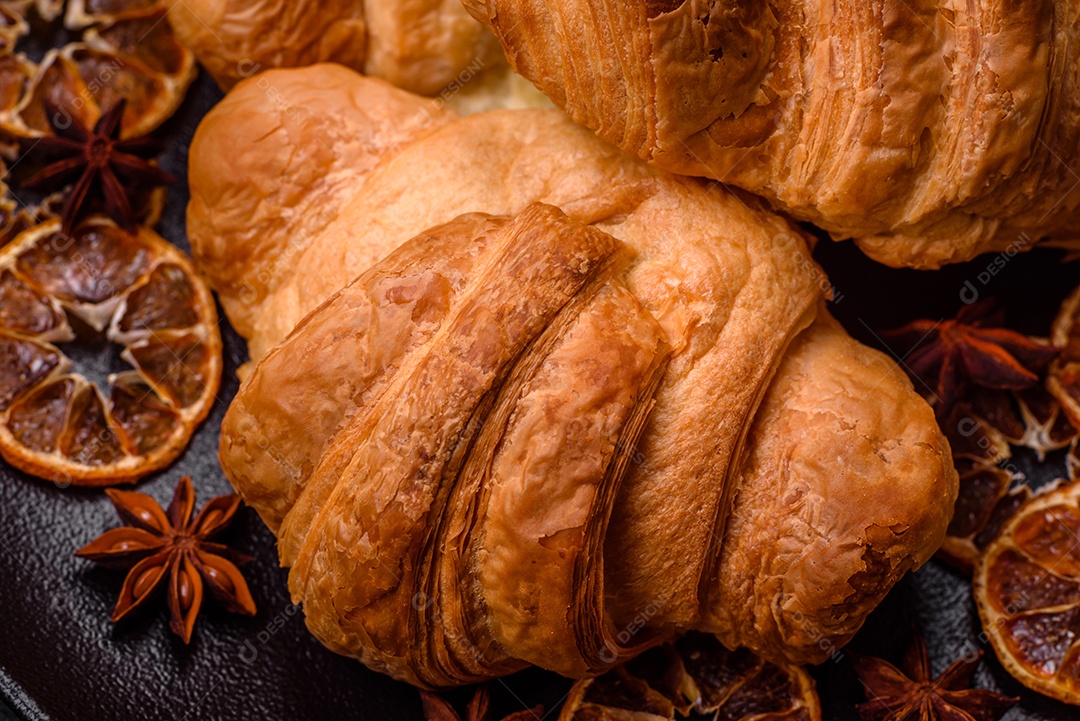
x,y
520,398
929,131
421,45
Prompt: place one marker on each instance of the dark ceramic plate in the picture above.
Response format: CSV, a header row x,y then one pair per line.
x,y
61,658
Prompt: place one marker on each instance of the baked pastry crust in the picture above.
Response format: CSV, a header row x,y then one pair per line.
x,y
930,132
802,458
404,412
264,187
420,45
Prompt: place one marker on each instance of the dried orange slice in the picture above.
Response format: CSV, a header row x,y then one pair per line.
x,y
982,430
16,73
1047,426
987,499
14,218
132,56
973,438
83,13
49,10
1030,418
102,285
1027,588
616,696
1064,379
695,678
13,25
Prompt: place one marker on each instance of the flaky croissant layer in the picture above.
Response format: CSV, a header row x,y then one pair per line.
x,y
930,130
484,507
565,405
421,45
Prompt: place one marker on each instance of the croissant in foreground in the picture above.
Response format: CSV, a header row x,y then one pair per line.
x,y
929,131
523,399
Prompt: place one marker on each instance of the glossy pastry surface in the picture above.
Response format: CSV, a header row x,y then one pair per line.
x,y
929,131
512,345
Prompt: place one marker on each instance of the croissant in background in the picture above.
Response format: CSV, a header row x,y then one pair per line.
x,y
420,45
520,398
929,131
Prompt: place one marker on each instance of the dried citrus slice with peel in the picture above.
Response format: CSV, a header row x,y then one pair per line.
x,y
133,56
1064,379
1030,418
145,42
1027,588
1047,426
973,438
616,696
137,292
741,685
56,79
83,13
999,410
986,500
16,73
13,218
695,678
49,10
148,39
13,26
9,211
980,430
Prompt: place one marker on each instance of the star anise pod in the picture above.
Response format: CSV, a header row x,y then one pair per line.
x,y
169,547
101,165
911,694
971,348
436,708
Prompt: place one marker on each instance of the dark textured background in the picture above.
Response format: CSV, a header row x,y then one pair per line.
x,y
61,658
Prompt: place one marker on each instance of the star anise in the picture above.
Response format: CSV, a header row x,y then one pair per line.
x,y
98,162
437,708
911,695
169,547
972,348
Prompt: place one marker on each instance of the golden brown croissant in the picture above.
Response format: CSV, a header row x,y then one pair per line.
x,y
929,131
526,399
420,45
